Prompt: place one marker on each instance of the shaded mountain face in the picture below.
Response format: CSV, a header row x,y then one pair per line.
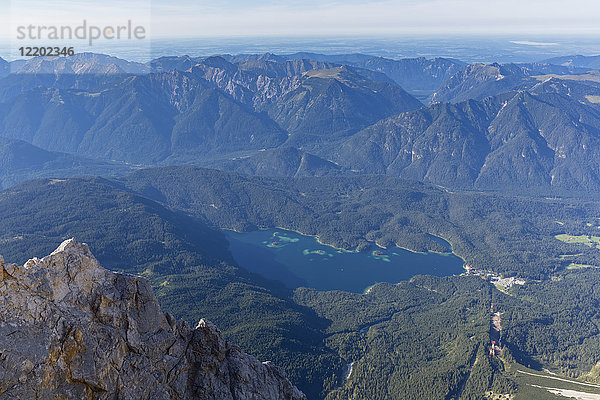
x,y
287,115
263,78
419,76
101,335
254,81
307,97
336,102
478,81
216,108
144,119
423,144
544,138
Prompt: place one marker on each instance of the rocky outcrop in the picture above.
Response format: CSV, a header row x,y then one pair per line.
x,y
71,329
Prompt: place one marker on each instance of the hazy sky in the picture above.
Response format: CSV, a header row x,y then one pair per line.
x,y
311,17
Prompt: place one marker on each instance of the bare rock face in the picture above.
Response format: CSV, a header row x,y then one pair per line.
x,y
70,329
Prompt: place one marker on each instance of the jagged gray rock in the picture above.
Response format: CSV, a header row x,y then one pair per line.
x,y
72,329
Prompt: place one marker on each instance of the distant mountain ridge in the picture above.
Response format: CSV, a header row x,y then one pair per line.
x,y
577,61
478,81
80,63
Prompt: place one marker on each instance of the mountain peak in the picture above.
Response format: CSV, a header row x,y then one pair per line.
x,y
71,246
99,334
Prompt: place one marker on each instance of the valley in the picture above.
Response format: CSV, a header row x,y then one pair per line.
x,y
319,209
164,230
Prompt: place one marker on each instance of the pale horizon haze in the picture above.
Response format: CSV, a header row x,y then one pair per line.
x,y
222,18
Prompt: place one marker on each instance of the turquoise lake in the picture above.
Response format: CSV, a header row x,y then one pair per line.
x,y
297,260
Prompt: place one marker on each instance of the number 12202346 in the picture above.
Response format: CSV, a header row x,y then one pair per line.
x,y
46,51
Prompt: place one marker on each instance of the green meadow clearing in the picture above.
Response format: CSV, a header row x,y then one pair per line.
x,y
591,241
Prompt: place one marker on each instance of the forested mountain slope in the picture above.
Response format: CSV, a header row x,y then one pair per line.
x,y
512,235
20,161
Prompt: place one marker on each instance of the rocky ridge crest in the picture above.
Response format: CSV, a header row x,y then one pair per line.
x,y
72,329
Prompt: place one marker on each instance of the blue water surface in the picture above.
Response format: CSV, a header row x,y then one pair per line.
x,y
301,261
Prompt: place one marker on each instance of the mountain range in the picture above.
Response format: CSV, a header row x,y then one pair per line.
x,y
545,137
479,126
